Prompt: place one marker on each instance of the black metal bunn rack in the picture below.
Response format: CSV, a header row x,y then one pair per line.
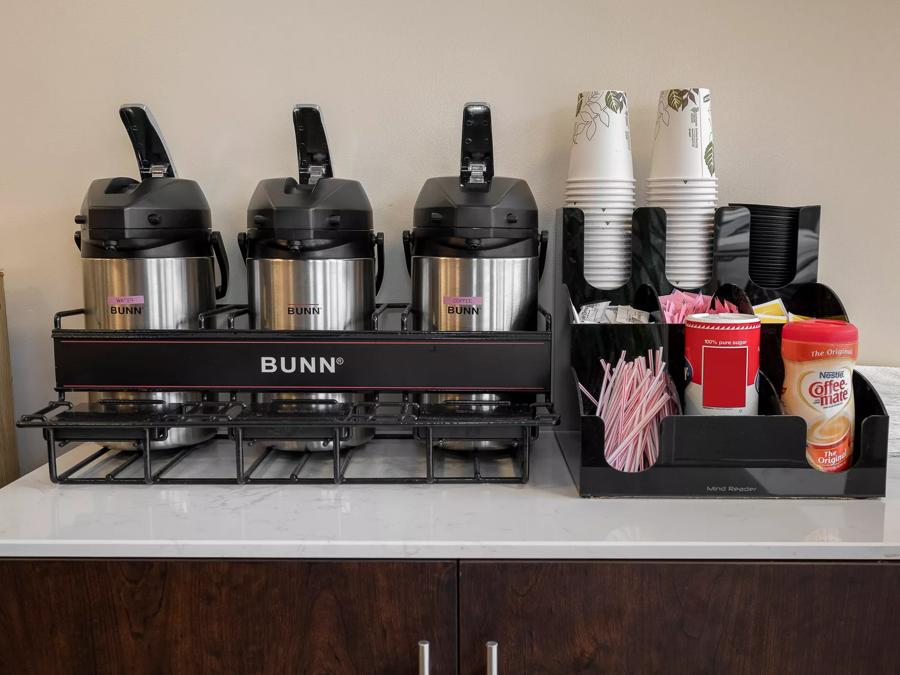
x,y
728,456
392,367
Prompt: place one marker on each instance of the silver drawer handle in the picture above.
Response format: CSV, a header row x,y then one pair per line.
x,y
491,650
424,657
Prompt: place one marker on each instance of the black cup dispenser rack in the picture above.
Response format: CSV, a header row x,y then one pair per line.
x,y
388,362
730,456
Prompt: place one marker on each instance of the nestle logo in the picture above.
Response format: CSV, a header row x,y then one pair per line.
x,y
290,364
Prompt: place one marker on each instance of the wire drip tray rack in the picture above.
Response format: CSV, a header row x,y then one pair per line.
x,y
403,441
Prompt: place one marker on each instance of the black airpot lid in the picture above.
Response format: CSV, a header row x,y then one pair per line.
x,y
476,199
315,205
159,206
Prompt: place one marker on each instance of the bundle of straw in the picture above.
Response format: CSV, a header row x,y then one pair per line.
x,y
634,398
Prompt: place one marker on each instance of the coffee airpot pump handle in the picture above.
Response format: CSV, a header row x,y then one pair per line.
x,y
476,170
312,144
149,147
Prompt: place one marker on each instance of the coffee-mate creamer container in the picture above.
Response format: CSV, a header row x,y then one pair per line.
x,y
819,357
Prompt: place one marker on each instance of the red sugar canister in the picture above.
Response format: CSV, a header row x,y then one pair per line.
x,y
722,364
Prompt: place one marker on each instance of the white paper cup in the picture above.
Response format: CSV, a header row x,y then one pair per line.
x,y
673,196
701,258
601,182
592,187
706,205
677,195
682,200
682,189
687,258
603,201
602,194
596,262
683,139
693,277
680,181
698,272
601,139
609,229
679,192
617,200
609,285
608,246
605,232
690,222
684,217
589,202
704,242
607,237
608,265
600,245
610,272
615,243
681,185
621,260
592,215
685,204
603,209
598,211
681,236
612,250
707,220
694,247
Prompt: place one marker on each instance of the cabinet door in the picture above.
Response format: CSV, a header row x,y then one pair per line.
x,y
203,616
680,617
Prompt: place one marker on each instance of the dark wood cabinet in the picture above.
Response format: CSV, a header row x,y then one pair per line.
x,y
225,617
680,617
354,617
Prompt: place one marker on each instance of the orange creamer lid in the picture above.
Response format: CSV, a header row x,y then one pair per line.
x,y
819,338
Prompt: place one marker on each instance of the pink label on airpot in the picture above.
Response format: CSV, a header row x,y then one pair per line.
x,y
462,300
125,300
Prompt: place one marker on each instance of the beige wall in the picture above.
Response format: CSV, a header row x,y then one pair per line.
x,y
806,98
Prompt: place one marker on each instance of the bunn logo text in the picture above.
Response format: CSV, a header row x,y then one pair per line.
x,y
299,364
304,310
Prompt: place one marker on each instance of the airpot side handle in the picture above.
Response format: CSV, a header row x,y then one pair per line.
x,y
149,147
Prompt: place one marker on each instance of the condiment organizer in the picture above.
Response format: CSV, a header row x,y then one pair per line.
x,y
700,456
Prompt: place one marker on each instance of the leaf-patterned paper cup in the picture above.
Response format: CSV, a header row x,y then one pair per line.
x,y
601,139
683,145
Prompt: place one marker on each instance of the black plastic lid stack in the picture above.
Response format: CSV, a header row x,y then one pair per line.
x,y
476,203
774,232
125,214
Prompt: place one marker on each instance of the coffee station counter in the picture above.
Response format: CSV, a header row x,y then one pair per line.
x,y
349,579
543,519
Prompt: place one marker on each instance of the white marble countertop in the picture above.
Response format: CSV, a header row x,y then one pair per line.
x,y
543,519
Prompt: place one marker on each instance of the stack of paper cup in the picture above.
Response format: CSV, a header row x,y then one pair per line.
x,y
683,182
601,183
